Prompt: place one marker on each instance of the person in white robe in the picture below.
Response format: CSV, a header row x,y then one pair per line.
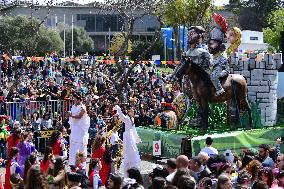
x,y
79,122
131,157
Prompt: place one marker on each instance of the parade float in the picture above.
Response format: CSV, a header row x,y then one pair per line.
x,y
243,117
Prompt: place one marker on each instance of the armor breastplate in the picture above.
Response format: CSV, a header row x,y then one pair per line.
x,y
200,57
221,62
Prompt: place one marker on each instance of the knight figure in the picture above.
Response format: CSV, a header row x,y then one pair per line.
x,y
197,52
219,65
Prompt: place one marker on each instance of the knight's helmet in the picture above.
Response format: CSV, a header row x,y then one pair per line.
x,y
220,29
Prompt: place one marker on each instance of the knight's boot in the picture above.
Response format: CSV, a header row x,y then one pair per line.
x,y
217,85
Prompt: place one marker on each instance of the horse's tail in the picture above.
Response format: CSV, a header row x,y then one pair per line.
x,y
235,98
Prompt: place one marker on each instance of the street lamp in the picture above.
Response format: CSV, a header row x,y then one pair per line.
x,y
173,49
165,47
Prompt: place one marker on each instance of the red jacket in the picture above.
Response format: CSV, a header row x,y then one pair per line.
x,y
12,143
1,184
56,148
105,171
7,176
44,166
99,153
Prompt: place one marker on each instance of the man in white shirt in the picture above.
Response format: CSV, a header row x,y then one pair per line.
x,y
211,151
181,162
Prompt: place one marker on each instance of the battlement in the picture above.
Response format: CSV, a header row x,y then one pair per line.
x,y
261,72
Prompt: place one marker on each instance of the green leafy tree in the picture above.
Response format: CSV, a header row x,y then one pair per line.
x,y
82,43
139,46
117,42
185,13
272,34
28,37
254,13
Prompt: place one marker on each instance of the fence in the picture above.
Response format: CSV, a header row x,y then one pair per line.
x,y
20,110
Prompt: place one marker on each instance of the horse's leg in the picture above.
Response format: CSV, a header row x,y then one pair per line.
x,y
243,103
248,108
203,110
237,98
232,121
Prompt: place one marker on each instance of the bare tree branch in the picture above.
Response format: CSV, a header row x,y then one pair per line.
x,y
131,11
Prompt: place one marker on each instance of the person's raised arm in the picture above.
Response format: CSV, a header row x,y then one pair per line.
x,y
120,114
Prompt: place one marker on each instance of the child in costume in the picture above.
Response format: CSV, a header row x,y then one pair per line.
x,y
24,150
81,159
12,167
4,134
94,177
64,144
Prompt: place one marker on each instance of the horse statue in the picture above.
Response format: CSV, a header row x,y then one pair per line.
x,y
235,87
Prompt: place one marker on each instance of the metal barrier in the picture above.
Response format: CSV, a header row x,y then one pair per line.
x,y
20,110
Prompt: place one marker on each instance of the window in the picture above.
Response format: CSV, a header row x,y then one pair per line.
x,y
101,23
254,38
48,22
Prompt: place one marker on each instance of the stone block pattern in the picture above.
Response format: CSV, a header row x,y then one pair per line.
x,y
261,72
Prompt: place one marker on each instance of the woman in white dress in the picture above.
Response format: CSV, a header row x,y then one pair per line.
x,y
79,123
131,157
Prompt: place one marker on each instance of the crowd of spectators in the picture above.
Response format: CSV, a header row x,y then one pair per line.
x,y
262,169
145,90
56,81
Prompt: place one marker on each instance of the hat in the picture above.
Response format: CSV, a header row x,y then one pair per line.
x,y
199,29
217,35
218,32
221,22
74,177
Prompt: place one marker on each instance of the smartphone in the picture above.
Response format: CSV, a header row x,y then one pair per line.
x,y
282,139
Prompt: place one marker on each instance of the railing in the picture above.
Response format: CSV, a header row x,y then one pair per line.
x,y
19,110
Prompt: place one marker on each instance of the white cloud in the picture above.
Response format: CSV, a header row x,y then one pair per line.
x,y
221,2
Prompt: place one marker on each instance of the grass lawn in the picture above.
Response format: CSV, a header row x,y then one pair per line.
x,y
165,69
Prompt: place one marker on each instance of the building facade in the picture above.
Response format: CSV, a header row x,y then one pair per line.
x,y
99,25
